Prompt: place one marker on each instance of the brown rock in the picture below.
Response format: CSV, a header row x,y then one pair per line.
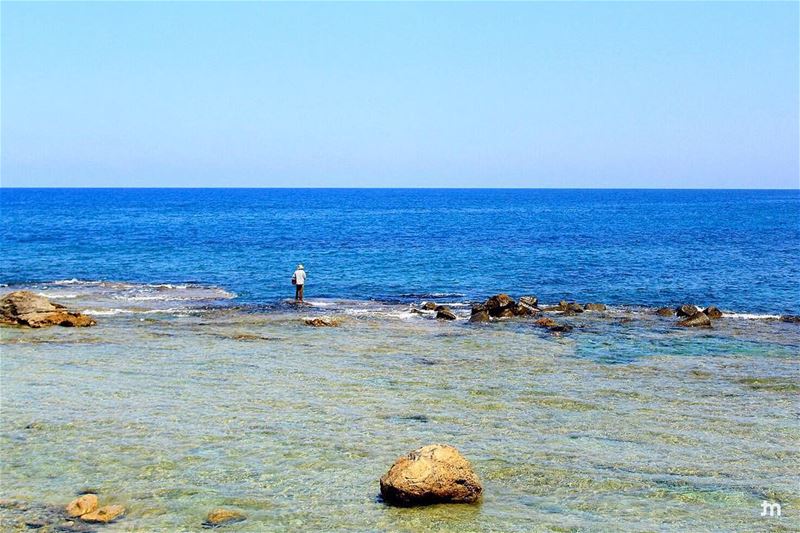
x,y
545,322
432,474
686,310
444,313
25,308
322,322
792,319
665,311
221,517
105,514
560,328
530,301
428,306
497,304
699,319
479,314
712,312
80,506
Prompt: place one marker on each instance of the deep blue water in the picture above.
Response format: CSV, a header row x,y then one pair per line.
x,y
736,249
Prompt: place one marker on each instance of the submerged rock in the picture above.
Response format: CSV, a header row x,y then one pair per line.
x,y
665,311
546,322
712,312
792,319
436,473
444,313
322,322
221,517
25,308
699,319
594,307
82,505
560,328
686,310
105,514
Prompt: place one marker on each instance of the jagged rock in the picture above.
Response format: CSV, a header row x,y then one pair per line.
x,y
428,306
665,311
479,313
699,319
105,514
25,308
432,474
712,312
82,505
498,304
505,313
221,517
322,322
526,306
686,310
444,313
594,307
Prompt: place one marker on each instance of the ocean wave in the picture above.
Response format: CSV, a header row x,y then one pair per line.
x,y
121,311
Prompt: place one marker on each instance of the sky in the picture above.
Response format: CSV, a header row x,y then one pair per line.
x,y
564,94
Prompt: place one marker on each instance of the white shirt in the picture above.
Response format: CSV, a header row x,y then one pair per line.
x,y
300,276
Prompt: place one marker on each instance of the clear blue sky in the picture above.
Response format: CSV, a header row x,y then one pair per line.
x,y
401,95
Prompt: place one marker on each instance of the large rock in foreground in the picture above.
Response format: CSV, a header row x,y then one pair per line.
x,y
432,474
25,308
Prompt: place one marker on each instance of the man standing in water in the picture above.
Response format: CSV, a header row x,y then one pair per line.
x,y
298,280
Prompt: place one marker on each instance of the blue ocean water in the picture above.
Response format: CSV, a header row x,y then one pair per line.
x,y
736,249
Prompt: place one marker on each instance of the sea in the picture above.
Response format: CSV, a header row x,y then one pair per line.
x,y
202,386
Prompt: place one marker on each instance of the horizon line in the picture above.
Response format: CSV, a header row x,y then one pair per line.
x,y
53,187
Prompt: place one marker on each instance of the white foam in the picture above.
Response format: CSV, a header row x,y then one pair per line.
x,y
750,316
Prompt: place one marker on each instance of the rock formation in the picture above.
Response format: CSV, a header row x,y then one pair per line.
x,y
432,474
25,308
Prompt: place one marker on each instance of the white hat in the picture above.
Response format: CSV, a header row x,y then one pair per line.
x,y
300,266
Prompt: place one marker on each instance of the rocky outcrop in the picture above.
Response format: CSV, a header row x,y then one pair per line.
x,y
222,517
104,515
479,313
428,306
686,310
436,473
665,311
712,312
444,313
529,301
80,506
594,307
792,319
322,322
25,308
500,306
697,320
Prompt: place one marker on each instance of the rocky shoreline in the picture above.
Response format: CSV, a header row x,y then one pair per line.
x,y
25,308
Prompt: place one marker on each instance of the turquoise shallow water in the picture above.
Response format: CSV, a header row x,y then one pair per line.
x,y
175,413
